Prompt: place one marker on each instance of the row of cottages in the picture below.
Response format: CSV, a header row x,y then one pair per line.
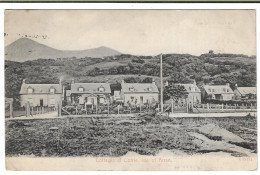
x,y
131,93
97,93
41,94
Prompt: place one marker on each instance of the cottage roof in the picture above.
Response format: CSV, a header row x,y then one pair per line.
x,y
218,89
247,90
190,87
139,87
41,88
90,88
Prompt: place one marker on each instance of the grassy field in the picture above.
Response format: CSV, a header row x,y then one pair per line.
x,y
144,135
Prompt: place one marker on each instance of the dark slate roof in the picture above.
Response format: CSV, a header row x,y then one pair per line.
x,y
247,90
139,87
218,89
90,88
41,88
190,87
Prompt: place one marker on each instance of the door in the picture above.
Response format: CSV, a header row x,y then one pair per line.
x,y
41,102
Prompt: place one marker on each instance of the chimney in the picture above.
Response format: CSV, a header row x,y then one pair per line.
x,y
60,81
24,81
72,81
227,84
122,82
153,81
236,86
194,82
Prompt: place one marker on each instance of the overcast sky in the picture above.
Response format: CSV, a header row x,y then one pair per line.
x,y
140,32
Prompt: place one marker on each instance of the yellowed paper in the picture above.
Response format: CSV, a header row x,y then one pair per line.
x,y
83,90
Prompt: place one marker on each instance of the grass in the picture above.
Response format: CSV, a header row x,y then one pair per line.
x,y
114,136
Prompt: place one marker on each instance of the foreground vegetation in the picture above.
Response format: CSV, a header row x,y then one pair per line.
x,y
109,136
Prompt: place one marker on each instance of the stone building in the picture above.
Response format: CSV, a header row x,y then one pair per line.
x,y
40,94
139,93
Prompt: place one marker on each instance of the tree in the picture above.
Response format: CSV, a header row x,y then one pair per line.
x,y
175,92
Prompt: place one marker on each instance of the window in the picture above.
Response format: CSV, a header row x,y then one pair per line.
x,y
227,90
149,89
213,90
30,90
81,89
224,89
132,99
52,90
101,89
102,100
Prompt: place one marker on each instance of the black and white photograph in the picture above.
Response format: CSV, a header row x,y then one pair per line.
x,y
130,90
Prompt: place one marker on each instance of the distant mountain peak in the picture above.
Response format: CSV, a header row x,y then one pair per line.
x,y
25,49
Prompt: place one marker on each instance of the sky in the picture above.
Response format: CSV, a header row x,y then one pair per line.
x,y
137,32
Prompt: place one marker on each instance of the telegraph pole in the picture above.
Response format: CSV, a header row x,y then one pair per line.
x,y
161,76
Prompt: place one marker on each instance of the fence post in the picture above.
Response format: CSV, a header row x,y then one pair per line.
x,y
32,111
11,109
118,109
108,107
86,108
27,109
172,105
192,105
222,107
208,106
59,108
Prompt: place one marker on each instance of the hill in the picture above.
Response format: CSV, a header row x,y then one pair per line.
x,y
25,49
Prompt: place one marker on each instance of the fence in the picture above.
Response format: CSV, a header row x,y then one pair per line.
x,y
77,109
106,109
27,111
205,108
